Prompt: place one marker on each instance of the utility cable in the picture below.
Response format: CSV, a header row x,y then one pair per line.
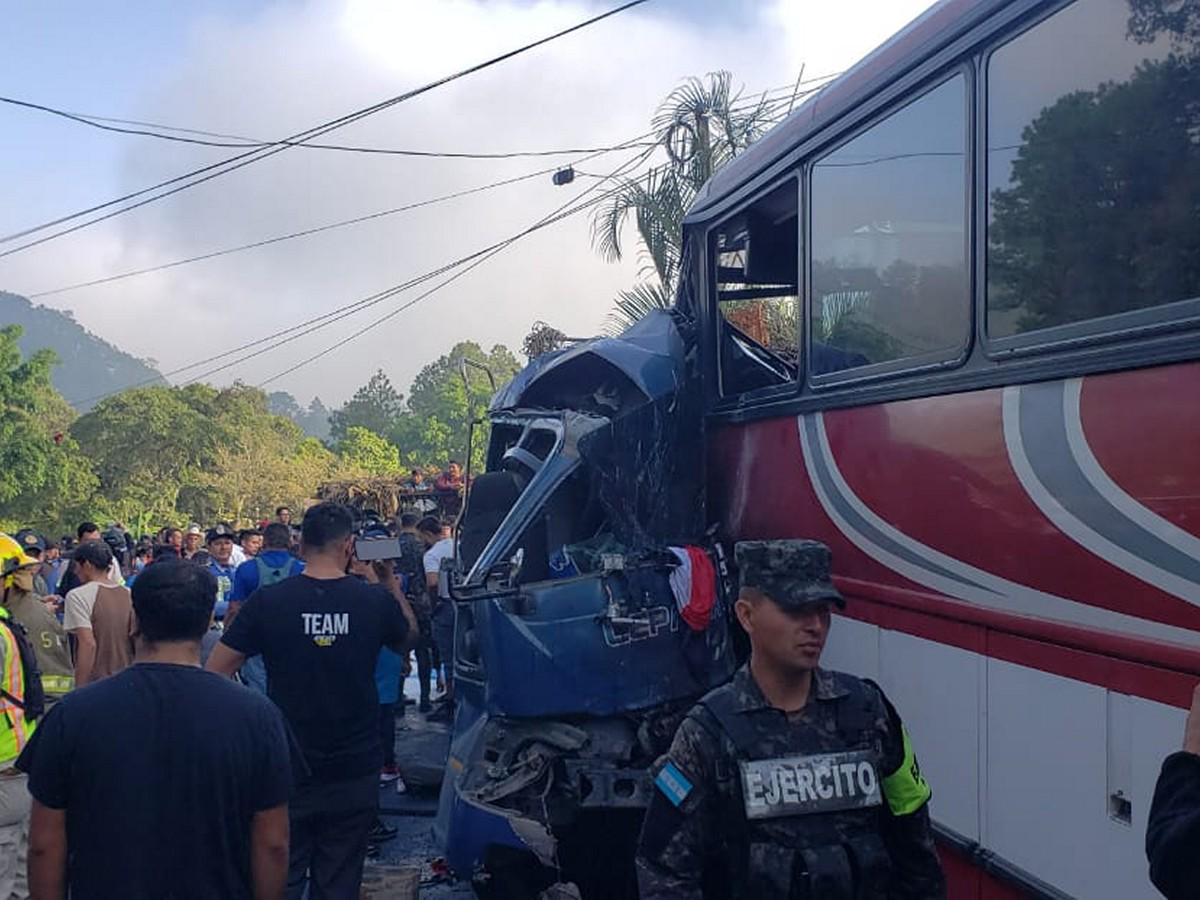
x,y
308,326
230,164
571,207
330,226
337,314
251,143
155,130
633,142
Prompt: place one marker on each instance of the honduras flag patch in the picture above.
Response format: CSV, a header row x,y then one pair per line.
x,y
673,783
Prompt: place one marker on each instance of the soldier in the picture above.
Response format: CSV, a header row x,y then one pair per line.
x,y
790,781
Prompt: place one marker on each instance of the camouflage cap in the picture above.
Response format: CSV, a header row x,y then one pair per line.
x,y
790,572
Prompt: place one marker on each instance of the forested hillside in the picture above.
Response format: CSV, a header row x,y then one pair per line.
x,y
88,366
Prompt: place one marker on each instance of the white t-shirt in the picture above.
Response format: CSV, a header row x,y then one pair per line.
x,y
238,556
443,549
79,603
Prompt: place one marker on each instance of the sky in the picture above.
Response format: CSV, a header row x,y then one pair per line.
x,y
269,69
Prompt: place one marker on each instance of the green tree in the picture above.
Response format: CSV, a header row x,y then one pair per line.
x,y
170,455
281,403
702,125
438,417
146,443
44,479
368,453
374,406
315,420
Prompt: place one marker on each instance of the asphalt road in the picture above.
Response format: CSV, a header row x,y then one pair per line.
x,y
421,749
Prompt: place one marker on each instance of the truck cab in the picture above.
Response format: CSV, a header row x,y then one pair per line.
x,y
574,664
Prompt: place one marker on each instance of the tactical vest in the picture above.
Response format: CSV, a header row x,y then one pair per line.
x,y
826,849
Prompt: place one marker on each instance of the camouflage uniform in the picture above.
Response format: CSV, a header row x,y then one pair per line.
x,y
699,838
412,566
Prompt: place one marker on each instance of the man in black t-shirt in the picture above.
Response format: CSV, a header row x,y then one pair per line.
x,y
162,780
319,634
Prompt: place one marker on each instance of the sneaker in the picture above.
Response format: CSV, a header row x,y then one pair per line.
x,y
381,832
388,774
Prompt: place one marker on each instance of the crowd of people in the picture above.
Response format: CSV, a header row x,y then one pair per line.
x,y
132,765
174,755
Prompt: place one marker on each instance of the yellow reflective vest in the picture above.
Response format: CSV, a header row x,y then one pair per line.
x,y
14,730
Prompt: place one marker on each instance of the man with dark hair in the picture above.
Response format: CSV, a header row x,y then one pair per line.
x,y
436,533
164,780
272,565
411,568
87,531
726,818
99,615
251,540
319,635
219,541
451,479
53,566
174,538
166,551
451,488
283,516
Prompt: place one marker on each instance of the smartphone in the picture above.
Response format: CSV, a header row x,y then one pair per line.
x,y
371,549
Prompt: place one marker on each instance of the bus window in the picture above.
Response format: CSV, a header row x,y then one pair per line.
x,y
756,272
889,247
1094,166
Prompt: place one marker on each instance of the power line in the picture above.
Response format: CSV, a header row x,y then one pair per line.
x,y
156,129
225,251
336,315
571,207
251,143
474,259
223,167
301,329
633,142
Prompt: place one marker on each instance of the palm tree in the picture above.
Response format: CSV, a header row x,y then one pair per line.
x,y
702,125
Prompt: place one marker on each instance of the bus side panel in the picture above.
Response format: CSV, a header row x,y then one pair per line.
x,y
1041,675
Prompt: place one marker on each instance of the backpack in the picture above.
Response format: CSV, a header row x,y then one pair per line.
x,y
34,701
268,575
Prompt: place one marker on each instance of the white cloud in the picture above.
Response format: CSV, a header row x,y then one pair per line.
x,y
292,65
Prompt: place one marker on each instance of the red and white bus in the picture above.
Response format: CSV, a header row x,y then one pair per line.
x,y
950,319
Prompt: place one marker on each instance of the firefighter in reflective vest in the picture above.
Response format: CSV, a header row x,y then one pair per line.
x,y
14,734
45,632
789,782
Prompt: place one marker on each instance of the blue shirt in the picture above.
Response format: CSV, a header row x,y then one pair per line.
x,y
55,573
245,579
388,668
224,576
